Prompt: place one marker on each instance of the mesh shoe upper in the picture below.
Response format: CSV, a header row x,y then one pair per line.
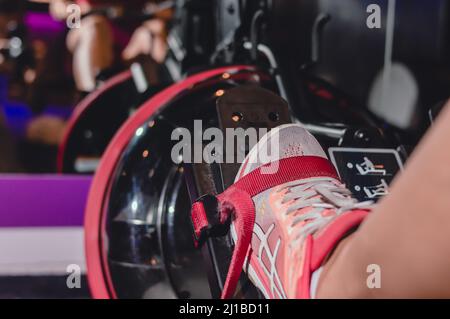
x,y
288,211
297,223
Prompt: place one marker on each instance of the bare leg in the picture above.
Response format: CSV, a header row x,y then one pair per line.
x,y
408,234
148,39
92,47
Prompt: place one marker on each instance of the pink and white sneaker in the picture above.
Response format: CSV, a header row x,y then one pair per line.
x,y
288,214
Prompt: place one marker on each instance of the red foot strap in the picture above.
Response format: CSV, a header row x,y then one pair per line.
x,y
199,219
237,202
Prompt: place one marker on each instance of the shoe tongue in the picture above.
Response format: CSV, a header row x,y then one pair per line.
x,y
282,142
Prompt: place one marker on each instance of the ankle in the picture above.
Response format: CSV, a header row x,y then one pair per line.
x,y
336,279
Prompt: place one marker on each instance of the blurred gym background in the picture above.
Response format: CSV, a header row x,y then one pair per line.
x,y
39,83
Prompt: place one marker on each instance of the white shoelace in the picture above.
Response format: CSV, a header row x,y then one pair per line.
x,y
321,194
